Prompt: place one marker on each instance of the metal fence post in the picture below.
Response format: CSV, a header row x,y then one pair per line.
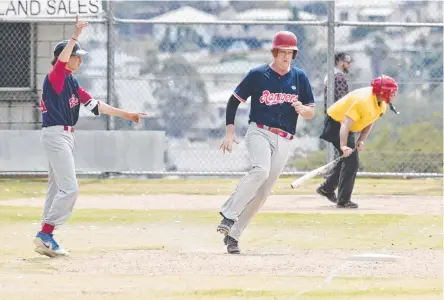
x,y
110,124
330,65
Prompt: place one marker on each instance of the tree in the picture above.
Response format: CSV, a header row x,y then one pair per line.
x,y
181,95
416,148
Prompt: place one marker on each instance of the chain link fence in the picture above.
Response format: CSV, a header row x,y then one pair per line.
x,y
180,62
16,80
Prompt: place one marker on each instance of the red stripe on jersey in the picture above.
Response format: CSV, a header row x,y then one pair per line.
x,y
238,98
84,96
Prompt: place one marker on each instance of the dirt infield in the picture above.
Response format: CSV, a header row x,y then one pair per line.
x,y
431,205
171,260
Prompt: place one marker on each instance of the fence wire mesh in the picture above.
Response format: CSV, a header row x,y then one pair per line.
x,y
184,74
411,141
17,102
184,83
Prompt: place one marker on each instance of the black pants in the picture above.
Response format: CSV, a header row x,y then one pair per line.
x,y
342,176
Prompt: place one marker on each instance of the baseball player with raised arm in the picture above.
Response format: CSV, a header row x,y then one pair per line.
x,y
280,93
60,105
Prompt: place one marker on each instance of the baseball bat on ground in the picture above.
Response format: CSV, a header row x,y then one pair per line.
x,y
321,170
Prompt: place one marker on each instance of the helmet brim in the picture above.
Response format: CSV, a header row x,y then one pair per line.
x,y
79,53
287,48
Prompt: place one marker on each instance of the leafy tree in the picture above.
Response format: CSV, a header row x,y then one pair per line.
x,y
416,147
181,95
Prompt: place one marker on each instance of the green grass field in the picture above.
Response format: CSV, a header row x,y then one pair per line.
x,y
371,231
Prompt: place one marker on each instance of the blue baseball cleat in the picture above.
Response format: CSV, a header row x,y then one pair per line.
x,y
46,245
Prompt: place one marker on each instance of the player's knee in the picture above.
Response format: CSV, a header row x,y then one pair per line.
x,y
72,189
261,173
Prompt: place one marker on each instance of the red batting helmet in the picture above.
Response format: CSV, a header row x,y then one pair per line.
x,y
285,40
385,86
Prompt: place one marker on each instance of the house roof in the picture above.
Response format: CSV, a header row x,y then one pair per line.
x,y
185,13
365,3
283,14
376,11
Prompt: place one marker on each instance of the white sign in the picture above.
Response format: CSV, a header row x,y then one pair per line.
x,y
49,8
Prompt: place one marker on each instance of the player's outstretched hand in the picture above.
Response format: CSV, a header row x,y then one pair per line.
x,y
79,27
135,116
229,139
298,106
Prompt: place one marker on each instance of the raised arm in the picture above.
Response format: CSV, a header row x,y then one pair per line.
x,y
57,74
66,52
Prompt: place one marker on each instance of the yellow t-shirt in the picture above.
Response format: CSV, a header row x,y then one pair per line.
x,y
359,105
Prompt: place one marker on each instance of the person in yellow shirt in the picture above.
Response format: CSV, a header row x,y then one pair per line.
x,y
354,113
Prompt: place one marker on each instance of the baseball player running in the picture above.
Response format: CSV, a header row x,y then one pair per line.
x,y
60,107
279,94
355,112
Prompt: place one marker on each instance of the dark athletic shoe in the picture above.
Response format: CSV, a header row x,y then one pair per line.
x,y
347,204
330,196
225,226
232,245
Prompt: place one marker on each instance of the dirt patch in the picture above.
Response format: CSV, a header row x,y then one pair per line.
x,y
431,205
132,252
171,260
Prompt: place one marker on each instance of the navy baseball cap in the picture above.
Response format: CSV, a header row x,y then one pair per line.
x,y
76,51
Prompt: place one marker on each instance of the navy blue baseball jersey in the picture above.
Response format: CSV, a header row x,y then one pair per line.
x,y
273,94
62,95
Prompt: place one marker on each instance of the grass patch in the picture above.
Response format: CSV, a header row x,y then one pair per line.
x,y
12,214
379,292
26,188
239,293
319,231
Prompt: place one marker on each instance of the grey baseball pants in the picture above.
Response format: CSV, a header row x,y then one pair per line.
x,y
62,182
269,154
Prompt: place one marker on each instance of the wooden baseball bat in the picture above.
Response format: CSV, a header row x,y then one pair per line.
x,y
302,180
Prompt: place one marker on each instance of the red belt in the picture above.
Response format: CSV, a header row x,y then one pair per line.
x,y
277,131
68,128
